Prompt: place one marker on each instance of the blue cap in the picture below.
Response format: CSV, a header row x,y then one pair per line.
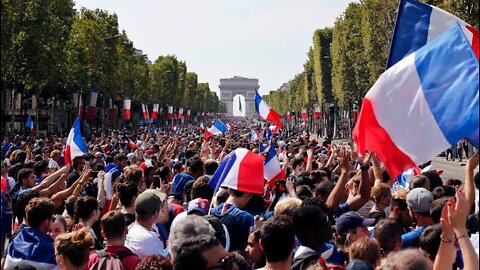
x,y
352,220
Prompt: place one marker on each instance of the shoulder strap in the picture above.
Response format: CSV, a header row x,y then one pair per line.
x,y
124,253
101,253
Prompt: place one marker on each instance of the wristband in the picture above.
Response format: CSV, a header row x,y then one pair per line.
x,y
462,236
364,168
450,240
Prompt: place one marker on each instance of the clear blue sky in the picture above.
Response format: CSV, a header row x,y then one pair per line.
x,y
264,39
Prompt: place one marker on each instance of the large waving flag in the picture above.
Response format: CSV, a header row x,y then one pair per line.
x,y
241,170
272,170
422,105
218,128
419,23
92,107
265,111
75,144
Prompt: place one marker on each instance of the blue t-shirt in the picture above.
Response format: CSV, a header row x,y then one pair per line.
x,y
238,223
412,239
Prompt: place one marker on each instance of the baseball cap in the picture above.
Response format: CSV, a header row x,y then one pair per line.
x,y
281,144
352,220
130,156
149,201
198,204
419,200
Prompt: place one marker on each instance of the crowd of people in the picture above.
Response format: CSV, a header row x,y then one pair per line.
x,y
138,200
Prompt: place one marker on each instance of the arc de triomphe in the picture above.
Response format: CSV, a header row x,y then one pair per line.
x,y
246,87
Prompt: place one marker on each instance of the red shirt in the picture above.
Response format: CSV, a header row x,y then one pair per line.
x,y
129,262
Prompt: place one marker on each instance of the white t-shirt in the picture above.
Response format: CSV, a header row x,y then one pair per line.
x,y
52,164
143,242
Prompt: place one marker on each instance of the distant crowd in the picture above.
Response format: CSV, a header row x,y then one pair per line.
x,y
142,200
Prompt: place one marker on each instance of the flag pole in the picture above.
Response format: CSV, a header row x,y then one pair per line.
x,y
217,186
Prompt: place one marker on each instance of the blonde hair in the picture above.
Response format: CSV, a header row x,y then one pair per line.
x,y
55,153
366,249
75,246
380,191
287,207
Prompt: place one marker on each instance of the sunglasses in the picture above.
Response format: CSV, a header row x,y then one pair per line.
x,y
225,264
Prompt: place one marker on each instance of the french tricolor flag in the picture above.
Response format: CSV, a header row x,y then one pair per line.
x,y
146,115
272,170
180,113
218,128
155,111
92,107
265,111
418,23
75,144
240,170
31,248
170,113
423,104
126,109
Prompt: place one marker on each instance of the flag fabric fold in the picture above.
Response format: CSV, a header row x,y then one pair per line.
x,y
241,170
126,109
92,107
418,24
170,113
272,170
421,105
155,111
265,111
146,115
180,113
29,123
31,248
75,145
218,128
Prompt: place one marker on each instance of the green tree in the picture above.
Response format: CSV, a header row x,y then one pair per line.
x,y
322,40
33,39
378,20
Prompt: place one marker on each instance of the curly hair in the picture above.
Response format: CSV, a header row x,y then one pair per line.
x,y
154,262
75,246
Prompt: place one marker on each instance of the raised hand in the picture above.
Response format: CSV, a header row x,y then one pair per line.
x,y
472,163
342,158
458,213
364,160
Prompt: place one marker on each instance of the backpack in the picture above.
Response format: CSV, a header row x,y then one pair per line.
x,y
109,261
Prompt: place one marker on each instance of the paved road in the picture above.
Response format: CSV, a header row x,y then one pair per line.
x,y
451,169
